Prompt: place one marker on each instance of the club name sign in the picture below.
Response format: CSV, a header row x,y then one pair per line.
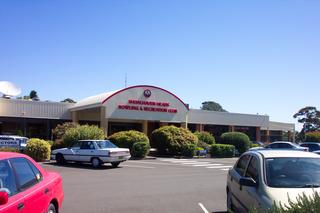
x,y
147,106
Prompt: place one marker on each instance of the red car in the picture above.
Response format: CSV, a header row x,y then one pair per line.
x,y
26,188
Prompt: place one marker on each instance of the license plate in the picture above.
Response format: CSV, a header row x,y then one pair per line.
x,y
121,157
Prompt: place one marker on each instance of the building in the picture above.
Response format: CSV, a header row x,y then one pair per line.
x,y
143,108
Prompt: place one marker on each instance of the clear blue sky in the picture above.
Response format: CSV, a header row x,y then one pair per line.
x,y
250,56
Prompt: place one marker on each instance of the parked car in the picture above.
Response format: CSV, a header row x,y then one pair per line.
x,y
312,146
263,177
13,141
282,145
95,152
26,187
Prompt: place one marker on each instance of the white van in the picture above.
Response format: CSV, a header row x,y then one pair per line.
x,y
13,141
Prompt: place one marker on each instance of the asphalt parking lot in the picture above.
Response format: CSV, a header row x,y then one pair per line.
x,y
138,186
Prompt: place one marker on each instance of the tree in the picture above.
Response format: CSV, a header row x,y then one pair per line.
x,y
310,118
68,100
34,96
212,106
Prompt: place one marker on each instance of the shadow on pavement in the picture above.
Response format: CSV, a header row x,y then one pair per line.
x,y
220,212
81,166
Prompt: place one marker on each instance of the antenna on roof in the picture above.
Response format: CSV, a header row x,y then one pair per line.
x,y
8,89
125,81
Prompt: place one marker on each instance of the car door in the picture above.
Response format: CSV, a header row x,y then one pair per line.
x,y
31,183
73,152
251,195
86,151
236,190
8,184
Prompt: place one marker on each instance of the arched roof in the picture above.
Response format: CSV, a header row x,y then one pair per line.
x,y
100,99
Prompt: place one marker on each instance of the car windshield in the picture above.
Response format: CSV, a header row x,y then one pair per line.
x,y
105,144
293,172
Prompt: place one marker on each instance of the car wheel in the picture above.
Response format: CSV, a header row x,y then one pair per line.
x,y
95,162
60,159
229,202
52,208
115,164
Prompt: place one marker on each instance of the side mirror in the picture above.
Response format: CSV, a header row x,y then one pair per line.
x,y
3,198
245,181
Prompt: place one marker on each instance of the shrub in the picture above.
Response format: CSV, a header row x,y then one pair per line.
x,y
140,149
172,140
9,149
313,137
61,129
253,145
82,132
126,139
222,150
189,150
240,140
38,149
205,137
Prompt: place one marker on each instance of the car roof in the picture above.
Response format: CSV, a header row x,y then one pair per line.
x,y
282,142
310,143
284,153
6,155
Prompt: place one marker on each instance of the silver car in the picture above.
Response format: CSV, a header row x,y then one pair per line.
x,y
263,177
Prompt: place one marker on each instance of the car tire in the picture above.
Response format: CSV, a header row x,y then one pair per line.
x,y
60,159
229,202
115,164
52,208
95,162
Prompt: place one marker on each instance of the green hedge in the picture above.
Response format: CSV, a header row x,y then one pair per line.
x,y
205,137
312,137
171,140
82,132
140,149
38,149
240,140
189,150
126,139
61,129
9,149
253,145
222,150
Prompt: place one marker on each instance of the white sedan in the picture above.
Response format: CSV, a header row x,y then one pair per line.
x,y
95,152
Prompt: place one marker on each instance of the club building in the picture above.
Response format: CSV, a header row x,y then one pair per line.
x,y
143,108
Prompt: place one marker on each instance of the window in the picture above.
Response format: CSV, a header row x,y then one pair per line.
x,y
25,175
242,163
7,180
87,145
76,145
35,171
253,169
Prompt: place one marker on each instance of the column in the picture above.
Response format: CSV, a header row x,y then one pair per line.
x,y
145,127
231,128
258,134
75,117
290,136
268,136
103,120
184,125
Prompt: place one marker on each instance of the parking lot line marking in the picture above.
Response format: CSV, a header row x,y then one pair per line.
x,y
155,163
215,164
203,208
195,162
218,167
144,167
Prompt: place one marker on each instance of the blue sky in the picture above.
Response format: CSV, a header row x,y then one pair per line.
x,y
250,56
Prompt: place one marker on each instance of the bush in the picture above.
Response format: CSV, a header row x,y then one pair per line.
x,y
313,137
253,145
189,150
126,139
61,129
205,137
173,140
240,140
9,149
82,132
140,149
222,150
38,149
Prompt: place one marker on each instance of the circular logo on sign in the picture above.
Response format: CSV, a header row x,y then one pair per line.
x,y
147,93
